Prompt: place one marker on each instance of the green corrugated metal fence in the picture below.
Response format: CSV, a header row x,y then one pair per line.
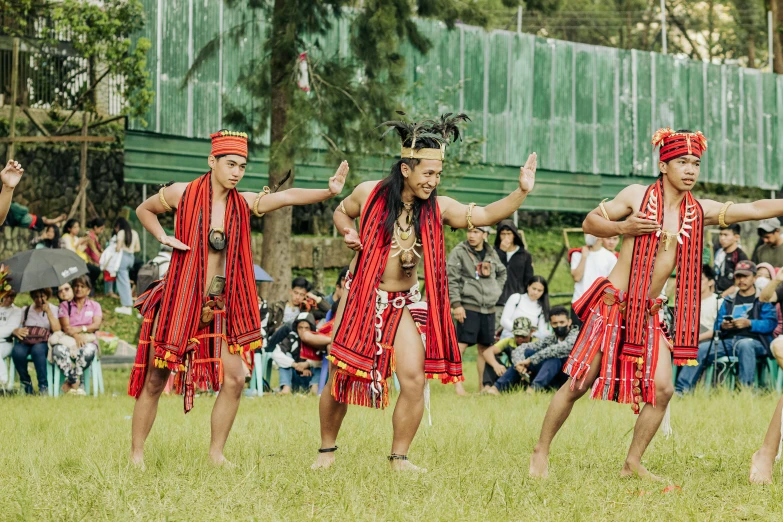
x,y
588,111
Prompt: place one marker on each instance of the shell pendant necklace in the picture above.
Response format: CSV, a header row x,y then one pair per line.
x,y
407,259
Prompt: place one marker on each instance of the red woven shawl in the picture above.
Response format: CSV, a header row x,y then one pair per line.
x,y
354,345
687,298
183,297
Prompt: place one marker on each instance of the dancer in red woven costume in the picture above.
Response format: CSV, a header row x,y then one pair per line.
x,y
203,316
624,352
382,323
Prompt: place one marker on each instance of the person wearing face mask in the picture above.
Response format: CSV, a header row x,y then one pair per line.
x,y
764,274
595,259
542,360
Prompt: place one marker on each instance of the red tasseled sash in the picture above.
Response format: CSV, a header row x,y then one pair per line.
x,y
354,346
687,298
178,303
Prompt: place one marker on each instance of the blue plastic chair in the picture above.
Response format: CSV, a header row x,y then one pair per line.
x,y
262,370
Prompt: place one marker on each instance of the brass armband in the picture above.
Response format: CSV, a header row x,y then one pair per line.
x,y
260,195
162,200
722,214
603,210
341,208
469,216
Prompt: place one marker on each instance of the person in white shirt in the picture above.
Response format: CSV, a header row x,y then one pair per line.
x,y
534,305
10,319
596,259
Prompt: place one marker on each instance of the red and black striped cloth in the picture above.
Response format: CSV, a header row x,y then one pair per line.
x,y
354,345
687,303
180,296
676,144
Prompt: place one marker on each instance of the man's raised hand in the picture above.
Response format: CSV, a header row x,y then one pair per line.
x,y
527,173
11,174
337,182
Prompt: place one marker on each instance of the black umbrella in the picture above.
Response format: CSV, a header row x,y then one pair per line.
x,y
43,268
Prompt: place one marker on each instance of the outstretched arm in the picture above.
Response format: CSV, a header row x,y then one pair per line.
x,y
148,212
297,196
620,208
455,214
736,213
9,177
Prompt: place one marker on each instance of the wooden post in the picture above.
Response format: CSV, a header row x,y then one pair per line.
x,y
83,175
14,94
318,268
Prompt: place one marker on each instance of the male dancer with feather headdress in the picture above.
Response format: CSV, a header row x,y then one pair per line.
x,y
203,316
624,352
382,325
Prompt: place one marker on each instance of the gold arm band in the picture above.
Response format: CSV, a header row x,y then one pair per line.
x,y
341,208
162,200
722,214
469,216
603,210
260,195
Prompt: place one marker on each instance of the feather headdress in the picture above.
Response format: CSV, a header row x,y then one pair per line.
x,y
425,133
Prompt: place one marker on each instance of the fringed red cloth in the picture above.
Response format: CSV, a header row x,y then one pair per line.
x,y
201,366
355,346
628,381
389,308
687,304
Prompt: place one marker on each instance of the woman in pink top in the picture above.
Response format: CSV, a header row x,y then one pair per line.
x,y
80,318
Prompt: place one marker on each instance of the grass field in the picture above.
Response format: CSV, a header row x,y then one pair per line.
x,y
65,459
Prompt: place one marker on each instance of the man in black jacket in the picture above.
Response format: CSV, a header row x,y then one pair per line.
x,y
516,259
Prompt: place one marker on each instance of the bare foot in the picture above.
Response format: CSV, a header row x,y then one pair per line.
x,y
324,460
137,460
219,461
761,468
491,390
539,465
637,471
285,390
405,465
460,389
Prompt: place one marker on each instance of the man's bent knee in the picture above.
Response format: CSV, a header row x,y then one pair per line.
x,y
664,392
233,384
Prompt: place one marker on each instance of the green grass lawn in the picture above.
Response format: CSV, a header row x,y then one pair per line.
x,y
65,459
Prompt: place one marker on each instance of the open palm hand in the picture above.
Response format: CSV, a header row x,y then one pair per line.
x,y
527,173
11,174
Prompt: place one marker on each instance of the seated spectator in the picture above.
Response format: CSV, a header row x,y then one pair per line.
x,y
726,259
746,325
773,293
76,347
338,288
70,239
595,259
534,304
19,216
297,372
498,356
10,319
764,274
301,300
49,238
543,359
38,323
64,293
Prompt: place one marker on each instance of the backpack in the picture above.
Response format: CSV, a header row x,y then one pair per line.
x,y
147,275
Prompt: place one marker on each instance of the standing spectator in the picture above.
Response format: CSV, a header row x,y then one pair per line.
x,y
517,260
710,305
534,304
773,293
110,264
746,325
93,249
476,279
39,322
772,250
543,359
49,238
10,319
301,300
587,265
75,348
127,244
71,240
726,259
498,356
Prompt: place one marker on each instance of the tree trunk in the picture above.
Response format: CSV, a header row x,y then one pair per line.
x,y
276,248
777,37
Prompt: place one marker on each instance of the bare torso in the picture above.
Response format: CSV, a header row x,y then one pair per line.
x,y
664,263
216,260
